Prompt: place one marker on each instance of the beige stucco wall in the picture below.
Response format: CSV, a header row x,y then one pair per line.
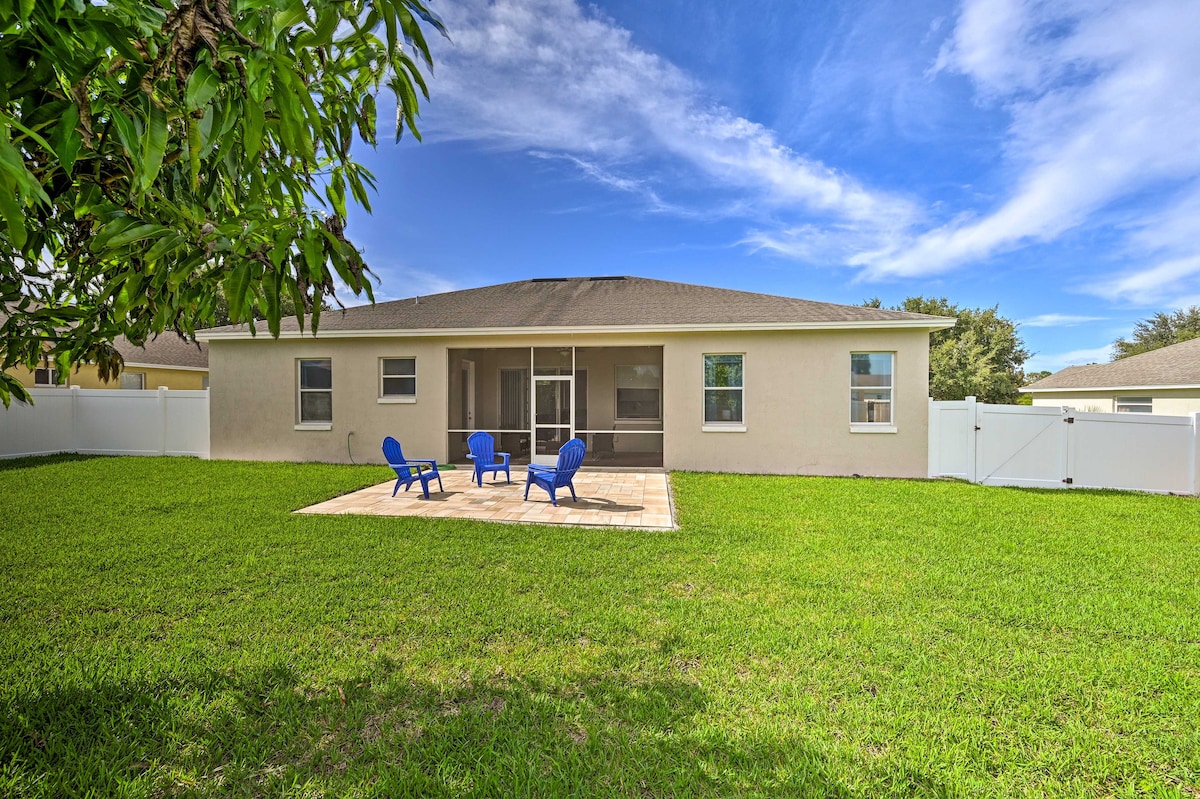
x,y
86,377
1167,402
797,387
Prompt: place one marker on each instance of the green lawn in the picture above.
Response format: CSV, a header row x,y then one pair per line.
x,y
168,627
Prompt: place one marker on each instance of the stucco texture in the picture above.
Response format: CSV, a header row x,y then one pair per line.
x,y
797,391
1166,401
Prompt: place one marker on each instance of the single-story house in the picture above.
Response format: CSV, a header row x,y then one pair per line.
x,y
1164,381
647,372
166,361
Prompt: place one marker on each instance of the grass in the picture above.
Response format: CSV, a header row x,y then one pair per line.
x,y
168,627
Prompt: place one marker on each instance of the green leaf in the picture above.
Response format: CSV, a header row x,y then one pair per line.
x,y
236,286
136,233
12,212
154,147
201,87
67,138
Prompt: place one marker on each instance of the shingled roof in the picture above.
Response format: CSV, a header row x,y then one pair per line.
x,y
597,302
1176,365
168,350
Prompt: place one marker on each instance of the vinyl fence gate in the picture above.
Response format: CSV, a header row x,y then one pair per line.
x,y
1039,447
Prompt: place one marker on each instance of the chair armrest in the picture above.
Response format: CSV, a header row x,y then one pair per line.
x,y
505,456
470,457
538,467
419,465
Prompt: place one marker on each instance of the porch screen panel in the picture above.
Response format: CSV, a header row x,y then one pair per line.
x,y
514,399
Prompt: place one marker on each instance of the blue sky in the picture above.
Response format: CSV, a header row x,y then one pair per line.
x,y
1042,156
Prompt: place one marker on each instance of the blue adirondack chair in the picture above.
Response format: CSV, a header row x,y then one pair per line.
x,y
409,472
570,456
483,454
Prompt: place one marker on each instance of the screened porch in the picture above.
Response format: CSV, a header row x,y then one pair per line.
x,y
535,399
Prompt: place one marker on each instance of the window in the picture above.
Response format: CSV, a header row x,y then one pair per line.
x,y
1135,405
398,379
45,377
133,380
315,391
639,392
723,389
871,387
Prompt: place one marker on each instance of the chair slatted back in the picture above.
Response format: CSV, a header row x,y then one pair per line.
x,y
570,458
395,457
483,447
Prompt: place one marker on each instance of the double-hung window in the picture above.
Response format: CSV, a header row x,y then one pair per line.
x,y
723,391
133,380
1135,405
315,392
639,393
871,388
397,379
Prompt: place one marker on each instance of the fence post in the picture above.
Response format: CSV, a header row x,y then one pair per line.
x,y
934,440
1196,453
972,434
74,419
162,420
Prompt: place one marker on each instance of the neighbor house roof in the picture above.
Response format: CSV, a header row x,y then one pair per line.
x,y
168,351
593,304
1175,366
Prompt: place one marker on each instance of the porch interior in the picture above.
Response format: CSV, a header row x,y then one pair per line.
x,y
534,399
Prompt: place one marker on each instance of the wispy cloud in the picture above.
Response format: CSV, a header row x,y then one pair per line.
x,y
554,79
1055,361
1104,104
1059,320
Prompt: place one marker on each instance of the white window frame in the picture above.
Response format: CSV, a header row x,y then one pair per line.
x,y
51,372
1145,402
617,417
300,423
127,375
722,427
872,427
386,399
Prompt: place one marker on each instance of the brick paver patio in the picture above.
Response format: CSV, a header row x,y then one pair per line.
x,y
606,499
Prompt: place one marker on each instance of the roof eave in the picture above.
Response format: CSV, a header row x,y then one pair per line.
x,y
910,324
1159,387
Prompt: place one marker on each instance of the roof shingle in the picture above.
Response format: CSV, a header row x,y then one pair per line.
x,y
1176,365
593,302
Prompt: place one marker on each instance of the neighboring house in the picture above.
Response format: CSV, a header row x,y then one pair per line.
x,y
1164,381
165,361
648,373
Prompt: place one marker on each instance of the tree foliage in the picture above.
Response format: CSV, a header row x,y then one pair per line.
x,y
1160,330
156,154
981,356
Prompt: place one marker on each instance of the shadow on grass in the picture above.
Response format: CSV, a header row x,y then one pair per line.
x,y
10,464
270,733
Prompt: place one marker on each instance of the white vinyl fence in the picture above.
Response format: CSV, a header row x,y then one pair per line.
x,y
1019,445
106,422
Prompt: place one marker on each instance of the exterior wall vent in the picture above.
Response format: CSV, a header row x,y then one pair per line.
x,y
614,277
549,280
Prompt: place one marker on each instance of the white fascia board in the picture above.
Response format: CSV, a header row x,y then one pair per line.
x,y
443,332
1105,388
130,364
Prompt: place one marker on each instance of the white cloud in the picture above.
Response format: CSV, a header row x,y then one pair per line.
x,y
1059,320
1104,104
1053,362
551,78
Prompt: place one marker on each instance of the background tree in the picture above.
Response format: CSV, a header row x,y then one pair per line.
x,y
153,152
981,356
1160,330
